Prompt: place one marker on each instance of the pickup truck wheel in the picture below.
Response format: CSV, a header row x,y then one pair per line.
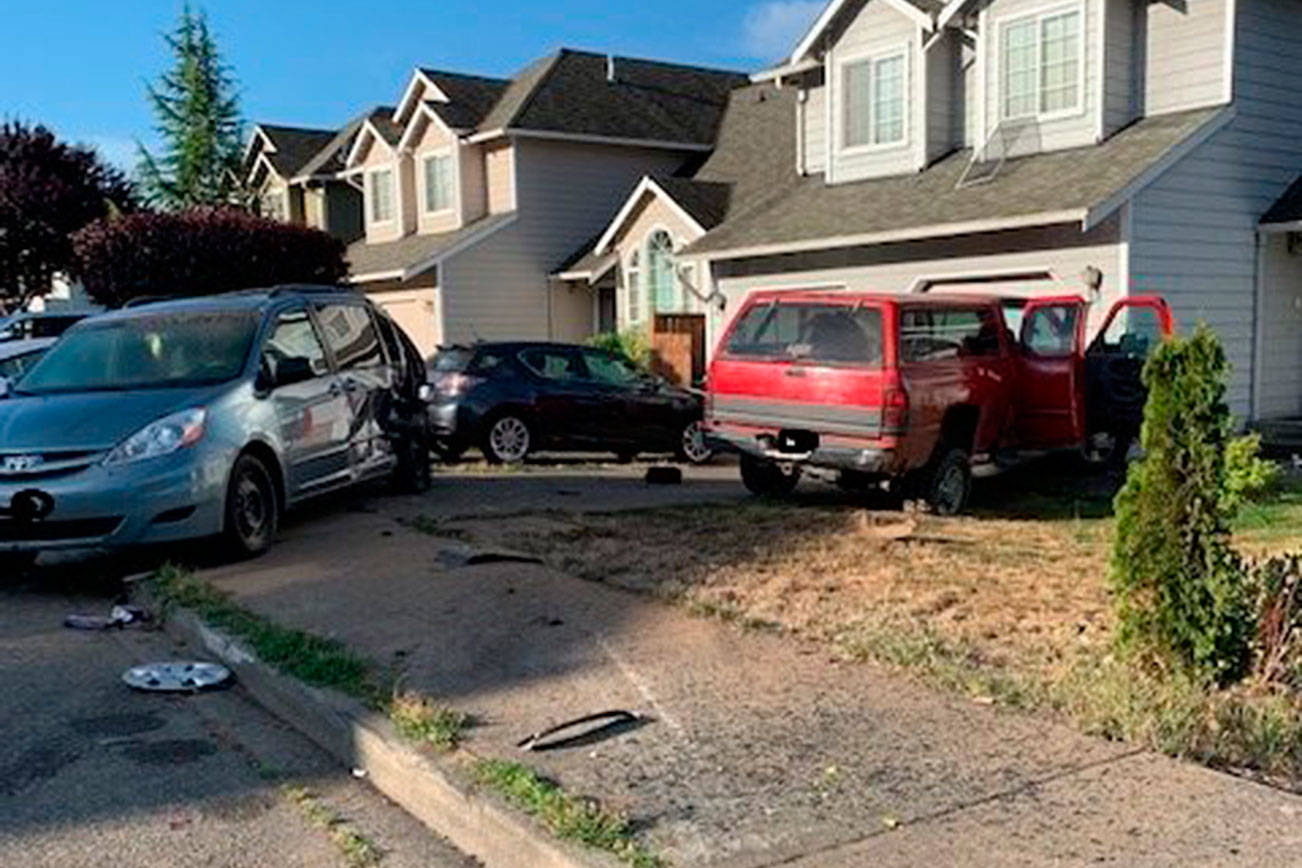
x,y
768,478
948,484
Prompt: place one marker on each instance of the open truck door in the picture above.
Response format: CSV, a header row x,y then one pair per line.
x,y
1114,365
1051,379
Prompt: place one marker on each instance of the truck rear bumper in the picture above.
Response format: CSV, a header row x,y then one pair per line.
x,y
873,457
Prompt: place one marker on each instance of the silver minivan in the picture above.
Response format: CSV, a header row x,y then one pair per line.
x,y
206,418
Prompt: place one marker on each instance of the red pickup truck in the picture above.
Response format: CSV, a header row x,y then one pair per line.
x,y
910,391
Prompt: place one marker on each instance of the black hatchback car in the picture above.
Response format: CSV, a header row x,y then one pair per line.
x,y
511,399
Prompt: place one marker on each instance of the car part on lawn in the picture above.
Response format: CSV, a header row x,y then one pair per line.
x,y
177,677
664,476
499,557
589,728
119,616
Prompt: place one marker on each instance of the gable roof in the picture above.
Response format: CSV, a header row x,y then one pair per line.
x,y
414,254
378,123
292,147
470,97
838,12
1081,184
1288,208
572,93
330,158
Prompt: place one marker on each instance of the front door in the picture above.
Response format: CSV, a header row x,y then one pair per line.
x,y
311,412
1050,398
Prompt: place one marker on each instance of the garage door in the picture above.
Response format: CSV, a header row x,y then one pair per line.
x,y
416,311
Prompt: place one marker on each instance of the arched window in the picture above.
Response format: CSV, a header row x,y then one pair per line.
x,y
632,285
661,281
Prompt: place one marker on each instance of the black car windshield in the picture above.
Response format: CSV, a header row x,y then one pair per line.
x,y
167,350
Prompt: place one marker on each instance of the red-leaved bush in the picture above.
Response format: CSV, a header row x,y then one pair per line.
x,y
199,252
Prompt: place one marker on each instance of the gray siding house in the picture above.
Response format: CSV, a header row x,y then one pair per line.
x,y
472,189
1099,147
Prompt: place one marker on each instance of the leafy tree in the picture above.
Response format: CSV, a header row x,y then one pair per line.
x,y
198,117
1181,590
48,190
200,252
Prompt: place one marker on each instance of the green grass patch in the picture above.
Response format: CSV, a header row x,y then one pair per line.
x,y
566,816
418,719
358,850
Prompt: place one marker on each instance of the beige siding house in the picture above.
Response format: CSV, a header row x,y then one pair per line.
x,y
1024,147
473,189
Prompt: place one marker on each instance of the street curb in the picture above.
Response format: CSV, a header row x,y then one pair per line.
x,y
435,792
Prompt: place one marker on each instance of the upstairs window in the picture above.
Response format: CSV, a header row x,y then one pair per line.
x,y
1041,68
874,101
273,205
438,183
380,194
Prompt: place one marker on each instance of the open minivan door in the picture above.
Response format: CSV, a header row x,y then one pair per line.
x,y
1051,385
1114,365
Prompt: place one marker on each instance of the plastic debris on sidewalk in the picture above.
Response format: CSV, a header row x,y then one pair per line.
x,y
586,730
664,476
177,677
119,616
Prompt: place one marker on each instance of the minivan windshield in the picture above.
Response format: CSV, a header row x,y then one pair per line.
x,y
809,331
162,351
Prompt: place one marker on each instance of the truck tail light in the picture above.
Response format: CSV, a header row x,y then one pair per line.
x,y
895,407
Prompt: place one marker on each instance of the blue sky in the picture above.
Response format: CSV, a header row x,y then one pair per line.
x,y
80,66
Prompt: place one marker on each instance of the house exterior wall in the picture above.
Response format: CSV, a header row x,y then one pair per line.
x,y
878,29
944,92
1121,50
434,140
1061,251
314,213
1070,131
417,312
343,211
814,144
1195,228
566,193
499,171
473,180
1184,55
1280,392
379,156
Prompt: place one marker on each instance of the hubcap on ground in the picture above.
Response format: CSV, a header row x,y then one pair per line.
x,y
694,446
510,439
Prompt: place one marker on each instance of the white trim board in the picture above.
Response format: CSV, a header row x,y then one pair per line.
x,y
367,129
904,7
646,185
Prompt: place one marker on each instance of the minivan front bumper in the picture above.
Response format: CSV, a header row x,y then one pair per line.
x,y
175,497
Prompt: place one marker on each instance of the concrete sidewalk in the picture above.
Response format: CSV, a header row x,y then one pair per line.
x,y
761,751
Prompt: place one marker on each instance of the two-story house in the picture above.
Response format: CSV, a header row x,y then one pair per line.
x,y
1102,147
295,175
472,189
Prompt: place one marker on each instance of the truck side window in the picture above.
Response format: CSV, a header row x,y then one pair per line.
x,y
1134,331
1050,331
935,334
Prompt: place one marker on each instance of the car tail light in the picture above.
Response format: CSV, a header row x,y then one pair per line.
x,y
456,384
895,407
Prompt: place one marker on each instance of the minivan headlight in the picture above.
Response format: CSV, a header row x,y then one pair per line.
x,y
163,437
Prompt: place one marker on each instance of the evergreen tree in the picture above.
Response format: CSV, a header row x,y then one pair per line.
x,y
199,120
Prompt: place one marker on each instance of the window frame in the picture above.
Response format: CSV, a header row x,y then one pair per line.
x,y
1039,16
426,159
634,288
675,290
370,195
873,59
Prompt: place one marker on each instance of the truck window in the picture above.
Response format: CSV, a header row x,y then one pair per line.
x,y
932,334
1050,331
1134,331
827,333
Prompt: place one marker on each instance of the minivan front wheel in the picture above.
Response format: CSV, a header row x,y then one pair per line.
x,y
252,508
768,478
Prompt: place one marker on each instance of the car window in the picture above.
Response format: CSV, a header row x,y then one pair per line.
x,y
931,334
295,337
1134,331
815,332
1050,331
610,370
352,335
554,364
14,367
489,363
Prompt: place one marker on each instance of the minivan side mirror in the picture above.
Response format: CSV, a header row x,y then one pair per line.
x,y
285,371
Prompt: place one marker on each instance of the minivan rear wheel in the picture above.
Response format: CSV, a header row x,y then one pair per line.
x,y
768,478
948,483
252,508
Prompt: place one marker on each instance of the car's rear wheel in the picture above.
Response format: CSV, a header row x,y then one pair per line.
x,y
413,474
14,565
692,447
768,478
948,483
508,439
252,508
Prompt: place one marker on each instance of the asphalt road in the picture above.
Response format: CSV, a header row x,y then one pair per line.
x,y
94,774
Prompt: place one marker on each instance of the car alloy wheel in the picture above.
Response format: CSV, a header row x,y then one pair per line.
x,y
509,440
692,445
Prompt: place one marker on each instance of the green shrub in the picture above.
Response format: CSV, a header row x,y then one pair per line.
x,y
1181,591
1248,476
631,344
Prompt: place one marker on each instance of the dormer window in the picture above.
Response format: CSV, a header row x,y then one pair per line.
x,y
1042,73
437,169
379,192
873,100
